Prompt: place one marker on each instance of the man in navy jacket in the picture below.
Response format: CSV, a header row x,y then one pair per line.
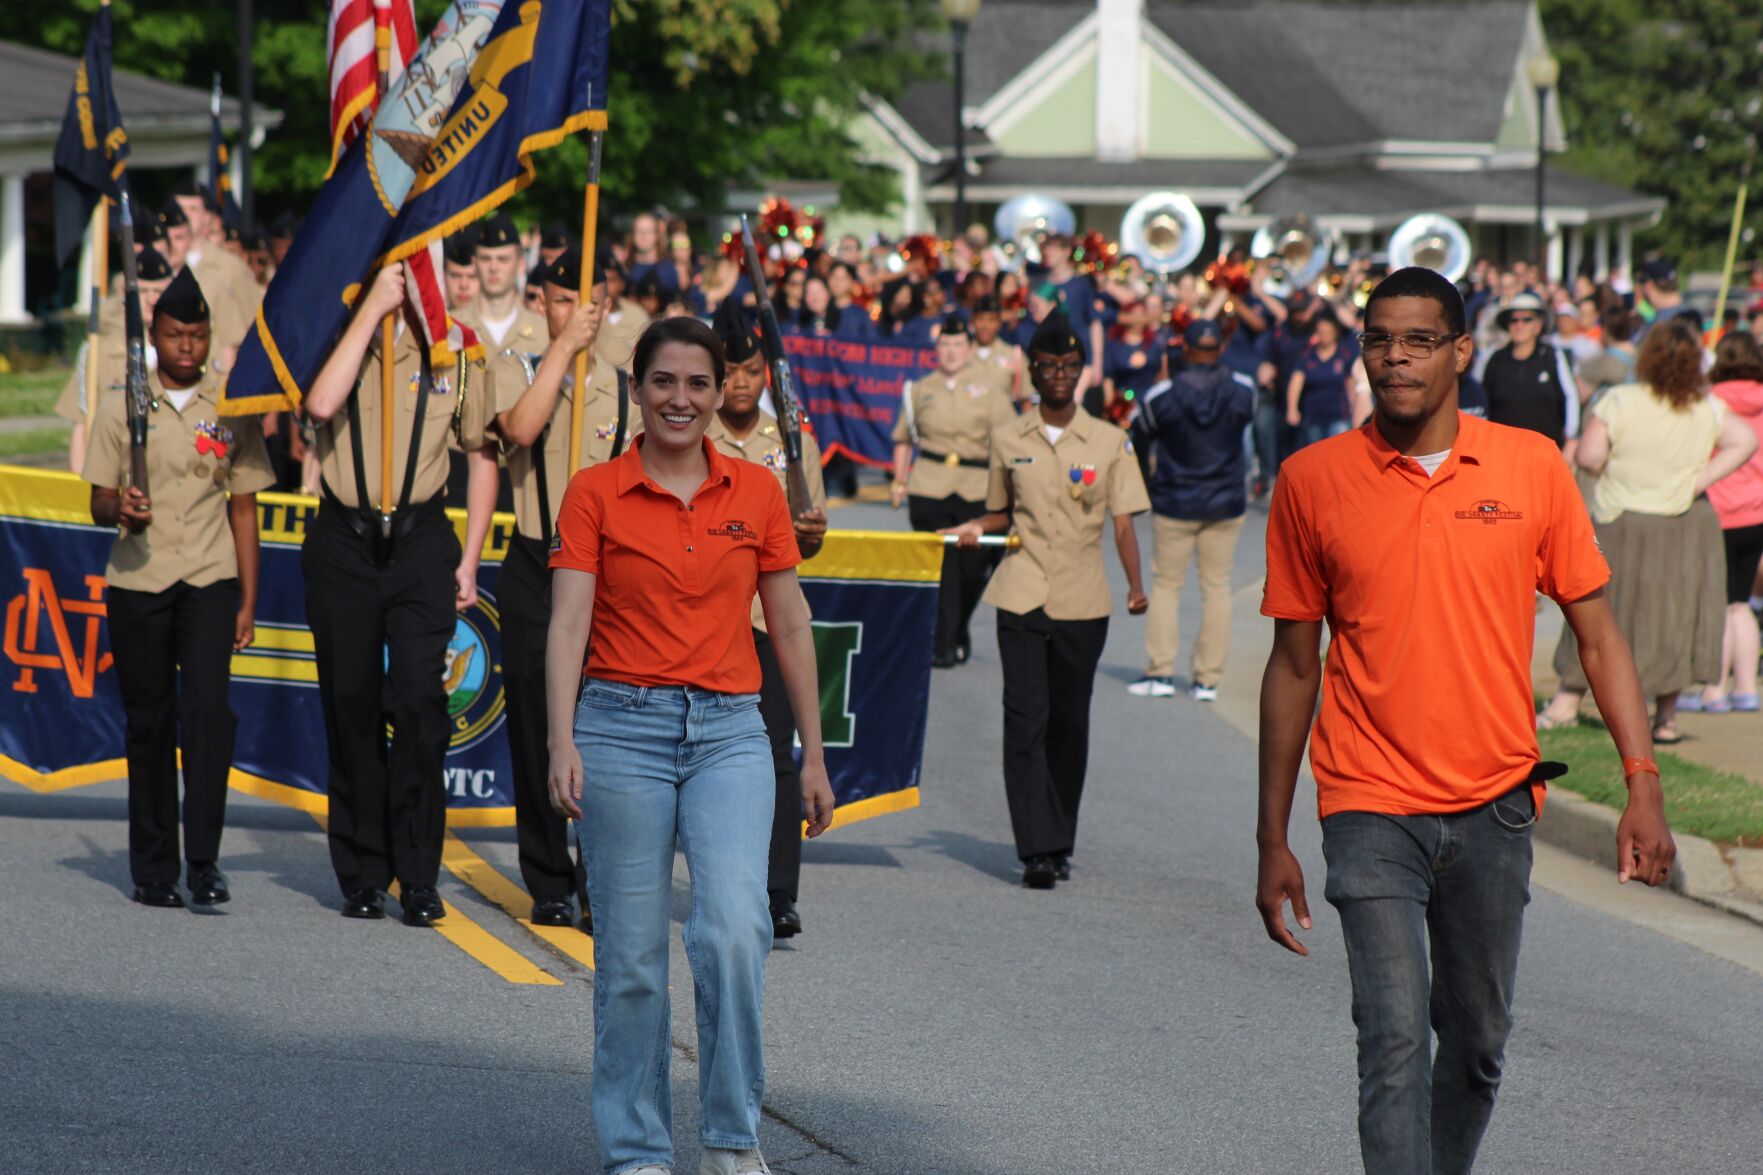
x,y
1192,429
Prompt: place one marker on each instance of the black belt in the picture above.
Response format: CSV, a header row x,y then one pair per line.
x,y
951,459
379,545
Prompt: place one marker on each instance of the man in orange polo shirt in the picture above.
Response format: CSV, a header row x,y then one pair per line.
x,y
1422,538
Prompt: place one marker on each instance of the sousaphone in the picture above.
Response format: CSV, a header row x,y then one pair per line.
x,y
1432,241
1164,231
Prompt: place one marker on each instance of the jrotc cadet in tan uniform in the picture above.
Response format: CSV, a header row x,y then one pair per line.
x,y
497,315
232,294
994,358
1056,474
112,356
949,416
381,592
742,429
625,319
183,590
534,397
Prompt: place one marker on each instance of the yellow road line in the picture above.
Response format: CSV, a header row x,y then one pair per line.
x,y
488,881
489,950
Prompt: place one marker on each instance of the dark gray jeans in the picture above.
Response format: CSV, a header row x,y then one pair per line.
x,y
1458,885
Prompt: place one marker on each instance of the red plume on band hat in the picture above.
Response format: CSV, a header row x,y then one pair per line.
x,y
777,220
923,246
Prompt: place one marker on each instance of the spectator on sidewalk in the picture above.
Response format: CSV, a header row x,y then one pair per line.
x,y
1738,501
1190,426
1649,444
1530,383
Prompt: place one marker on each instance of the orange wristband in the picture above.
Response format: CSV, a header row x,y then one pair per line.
x,y
1633,765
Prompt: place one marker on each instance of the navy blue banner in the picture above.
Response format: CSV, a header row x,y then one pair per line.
x,y
850,388
873,597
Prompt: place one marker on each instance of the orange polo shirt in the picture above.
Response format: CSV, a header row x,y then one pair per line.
x,y
674,583
1429,589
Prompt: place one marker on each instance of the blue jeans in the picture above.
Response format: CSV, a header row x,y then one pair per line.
x,y
1458,884
661,763
1311,431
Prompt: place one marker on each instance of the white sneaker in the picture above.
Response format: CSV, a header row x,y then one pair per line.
x,y
1203,693
717,1161
1152,687
651,1169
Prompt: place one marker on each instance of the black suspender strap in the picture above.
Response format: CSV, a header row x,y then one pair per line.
x,y
544,486
624,411
424,383
362,500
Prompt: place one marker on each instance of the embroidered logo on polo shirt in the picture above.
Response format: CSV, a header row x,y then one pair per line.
x,y
737,530
1489,511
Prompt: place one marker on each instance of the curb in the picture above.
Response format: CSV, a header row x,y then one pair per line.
x,y
1702,873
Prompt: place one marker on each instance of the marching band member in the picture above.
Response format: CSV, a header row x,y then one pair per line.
x,y
1055,474
183,590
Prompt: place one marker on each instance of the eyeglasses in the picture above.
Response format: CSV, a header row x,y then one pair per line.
x,y
1419,344
1072,364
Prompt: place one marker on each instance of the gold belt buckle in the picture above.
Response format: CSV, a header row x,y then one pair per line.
x,y
950,459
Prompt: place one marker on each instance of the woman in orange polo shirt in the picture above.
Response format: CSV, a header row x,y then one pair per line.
x,y
658,554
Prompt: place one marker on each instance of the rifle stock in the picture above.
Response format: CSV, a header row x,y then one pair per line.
x,y
783,383
136,386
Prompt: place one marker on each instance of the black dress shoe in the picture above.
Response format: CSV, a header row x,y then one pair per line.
x,y
165,896
207,886
1062,866
943,661
963,652
422,906
364,903
785,922
553,912
1040,872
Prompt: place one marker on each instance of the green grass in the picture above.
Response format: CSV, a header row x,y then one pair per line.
x,y
31,393
33,441
1716,805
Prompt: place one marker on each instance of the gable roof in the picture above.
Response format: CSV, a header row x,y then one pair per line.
x,y
35,83
1338,83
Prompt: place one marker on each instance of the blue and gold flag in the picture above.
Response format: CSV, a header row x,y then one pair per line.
x,y
494,84
90,154
220,179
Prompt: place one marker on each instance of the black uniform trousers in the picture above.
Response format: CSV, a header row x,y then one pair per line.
x,y
380,635
173,654
1049,674
780,727
964,572
523,592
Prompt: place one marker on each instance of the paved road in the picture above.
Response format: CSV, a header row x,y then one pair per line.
x,y
934,1018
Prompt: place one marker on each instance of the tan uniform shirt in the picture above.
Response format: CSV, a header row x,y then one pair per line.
x,y
505,381
233,295
113,364
997,364
195,458
1059,494
444,412
529,333
619,333
950,416
765,445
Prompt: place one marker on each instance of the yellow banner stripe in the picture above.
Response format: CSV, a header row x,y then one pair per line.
x,y
903,556
280,639
484,877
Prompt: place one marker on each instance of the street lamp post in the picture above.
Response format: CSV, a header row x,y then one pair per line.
x,y
960,14
1544,72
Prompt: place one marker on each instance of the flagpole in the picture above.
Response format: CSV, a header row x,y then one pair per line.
x,y
382,37
1732,244
100,285
590,223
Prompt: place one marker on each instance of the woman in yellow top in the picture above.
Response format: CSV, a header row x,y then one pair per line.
x,y
183,590
1648,444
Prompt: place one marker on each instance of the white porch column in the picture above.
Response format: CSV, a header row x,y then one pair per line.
x,y
911,197
1554,255
1601,251
1575,254
12,307
1625,251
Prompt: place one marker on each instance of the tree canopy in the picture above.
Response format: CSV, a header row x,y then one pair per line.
x,y
704,94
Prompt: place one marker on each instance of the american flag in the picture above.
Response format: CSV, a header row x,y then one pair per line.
x,y
354,71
